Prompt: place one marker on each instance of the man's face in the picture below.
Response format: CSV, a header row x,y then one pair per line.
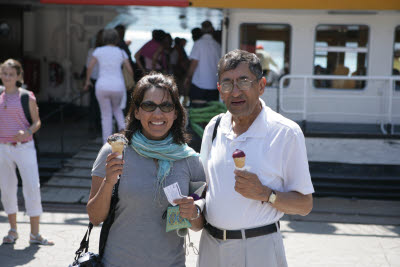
x,y
241,102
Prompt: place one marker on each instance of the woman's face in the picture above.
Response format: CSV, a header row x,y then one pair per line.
x,y
156,124
8,76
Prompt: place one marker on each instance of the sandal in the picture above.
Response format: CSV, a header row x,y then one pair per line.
x,y
11,237
38,239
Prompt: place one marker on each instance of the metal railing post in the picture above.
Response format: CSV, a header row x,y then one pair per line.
x,y
62,136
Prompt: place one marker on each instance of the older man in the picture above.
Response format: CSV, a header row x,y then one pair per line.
x,y
243,206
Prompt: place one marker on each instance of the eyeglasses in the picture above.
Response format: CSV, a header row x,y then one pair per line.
x,y
243,85
150,106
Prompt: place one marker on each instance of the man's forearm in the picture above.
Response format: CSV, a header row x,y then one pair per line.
x,y
293,203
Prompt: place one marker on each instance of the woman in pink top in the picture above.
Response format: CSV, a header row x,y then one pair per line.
x,y
17,150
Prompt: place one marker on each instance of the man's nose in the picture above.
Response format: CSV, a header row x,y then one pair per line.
x,y
235,90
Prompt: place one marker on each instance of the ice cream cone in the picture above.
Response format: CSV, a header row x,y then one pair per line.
x,y
118,147
240,162
239,157
117,143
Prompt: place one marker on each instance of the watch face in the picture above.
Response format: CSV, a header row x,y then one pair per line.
x,y
272,197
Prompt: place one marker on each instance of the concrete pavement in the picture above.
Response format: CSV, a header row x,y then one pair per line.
x,y
308,243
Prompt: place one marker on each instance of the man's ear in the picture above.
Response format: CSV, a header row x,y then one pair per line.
x,y
219,87
263,83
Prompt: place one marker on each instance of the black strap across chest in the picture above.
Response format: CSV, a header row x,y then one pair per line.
x,y
216,127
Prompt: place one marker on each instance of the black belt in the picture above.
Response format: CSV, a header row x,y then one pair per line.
x,y
237,234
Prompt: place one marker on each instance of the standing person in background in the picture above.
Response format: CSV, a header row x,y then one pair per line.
x,y
110,86
202,73
196,34
95,122
180,63
124,46
147,52
121,43
17,149
243,206
161,58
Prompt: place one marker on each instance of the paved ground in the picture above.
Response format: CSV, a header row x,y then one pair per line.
x,y
312,241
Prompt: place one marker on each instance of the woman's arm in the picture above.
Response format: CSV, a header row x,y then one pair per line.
x,y
101,190
138,62
89,71
188,210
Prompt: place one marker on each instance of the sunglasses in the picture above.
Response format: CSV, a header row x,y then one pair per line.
x,y
150,106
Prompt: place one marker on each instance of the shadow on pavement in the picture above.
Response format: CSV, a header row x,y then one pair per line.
x,y
321,228
12,257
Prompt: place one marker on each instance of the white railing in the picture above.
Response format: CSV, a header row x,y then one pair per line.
x,y
387,117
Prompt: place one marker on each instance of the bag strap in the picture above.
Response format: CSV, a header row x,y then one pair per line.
x,y
216,127
25,104
84,247
109,220
85,242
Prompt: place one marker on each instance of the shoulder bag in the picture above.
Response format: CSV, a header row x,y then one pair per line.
x,y
83,258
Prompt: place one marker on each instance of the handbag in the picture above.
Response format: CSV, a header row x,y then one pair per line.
x,y
83,258
128,78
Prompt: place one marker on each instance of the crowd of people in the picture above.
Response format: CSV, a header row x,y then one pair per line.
x,y
195,78
242,204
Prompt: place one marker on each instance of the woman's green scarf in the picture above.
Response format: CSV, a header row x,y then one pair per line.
x,y
166,151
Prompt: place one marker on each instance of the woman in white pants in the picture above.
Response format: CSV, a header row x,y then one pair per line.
x,y
110,85
17,150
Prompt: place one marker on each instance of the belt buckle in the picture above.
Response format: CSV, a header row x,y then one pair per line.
x,y
224,235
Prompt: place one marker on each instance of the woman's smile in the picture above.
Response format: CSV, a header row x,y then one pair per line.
x,y
156,123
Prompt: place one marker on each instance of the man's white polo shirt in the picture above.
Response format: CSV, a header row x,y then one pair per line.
x,y
275,151
208,52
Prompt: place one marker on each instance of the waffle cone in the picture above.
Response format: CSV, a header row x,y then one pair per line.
x,y
240,162
117,147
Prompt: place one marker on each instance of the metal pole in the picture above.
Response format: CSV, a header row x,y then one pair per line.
x,y
62,136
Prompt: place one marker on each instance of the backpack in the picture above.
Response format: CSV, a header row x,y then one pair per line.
x,y
24,101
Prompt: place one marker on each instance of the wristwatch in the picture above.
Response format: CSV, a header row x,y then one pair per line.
x,y
272,197
198,213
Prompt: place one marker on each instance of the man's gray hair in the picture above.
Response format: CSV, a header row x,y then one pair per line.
x,y
232,59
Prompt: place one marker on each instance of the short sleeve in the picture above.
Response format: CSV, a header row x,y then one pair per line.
x,y
196,169
124,55
296,173
96,53
195,53
99,166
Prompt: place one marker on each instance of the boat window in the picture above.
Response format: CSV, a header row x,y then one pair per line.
x,y
341,50
396,56
271,43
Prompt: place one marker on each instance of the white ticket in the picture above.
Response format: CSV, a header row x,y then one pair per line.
x,y
173,192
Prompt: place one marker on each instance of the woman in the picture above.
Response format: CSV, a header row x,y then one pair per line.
x,y
110,85
156,133
17,149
